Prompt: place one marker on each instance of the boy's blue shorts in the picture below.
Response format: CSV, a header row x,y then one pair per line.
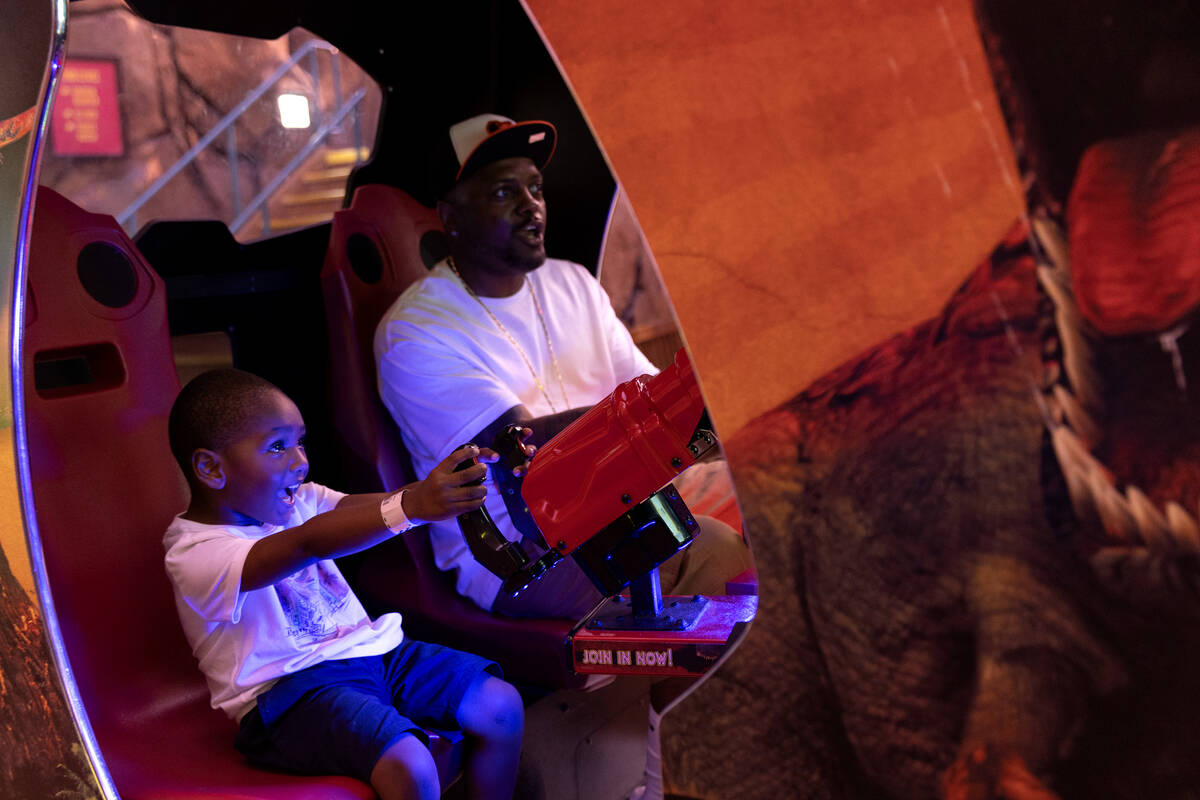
x,y
338,717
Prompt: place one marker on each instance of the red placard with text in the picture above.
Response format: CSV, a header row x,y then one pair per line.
x,y
86,119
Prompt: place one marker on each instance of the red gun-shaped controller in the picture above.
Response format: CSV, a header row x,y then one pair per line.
x,y
600,490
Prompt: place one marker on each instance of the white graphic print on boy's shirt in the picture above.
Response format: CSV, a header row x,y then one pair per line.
x,y
311,599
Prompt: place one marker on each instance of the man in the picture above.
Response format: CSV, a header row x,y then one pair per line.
x,y
498,334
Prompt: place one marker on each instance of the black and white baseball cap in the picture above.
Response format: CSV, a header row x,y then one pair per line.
x,y
487,138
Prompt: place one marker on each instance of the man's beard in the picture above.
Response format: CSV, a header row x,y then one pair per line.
x,y
525,262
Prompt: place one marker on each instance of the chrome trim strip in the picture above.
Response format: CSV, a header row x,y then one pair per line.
x,y
54,641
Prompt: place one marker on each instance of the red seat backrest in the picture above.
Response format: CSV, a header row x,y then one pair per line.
x,y
374,254
383,242
99,382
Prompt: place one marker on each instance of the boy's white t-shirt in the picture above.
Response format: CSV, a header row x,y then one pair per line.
x,y
245,641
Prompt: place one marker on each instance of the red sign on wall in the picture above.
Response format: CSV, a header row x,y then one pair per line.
x,y
86,119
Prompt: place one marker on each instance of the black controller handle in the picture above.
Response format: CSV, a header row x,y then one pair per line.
x,y
508,444
504,559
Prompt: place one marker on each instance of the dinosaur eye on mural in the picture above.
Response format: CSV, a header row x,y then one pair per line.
x,y
14,128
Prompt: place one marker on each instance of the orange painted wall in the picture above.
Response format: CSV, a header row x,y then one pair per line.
x,y
812,175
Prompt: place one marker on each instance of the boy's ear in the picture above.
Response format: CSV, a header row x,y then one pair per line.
x,y
208,468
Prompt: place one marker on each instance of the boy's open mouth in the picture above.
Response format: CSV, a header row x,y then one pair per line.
x,y
288,495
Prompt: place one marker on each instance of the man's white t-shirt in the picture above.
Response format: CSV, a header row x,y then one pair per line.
x,y
245,641
447,370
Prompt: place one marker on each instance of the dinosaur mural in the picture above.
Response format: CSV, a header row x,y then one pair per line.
x,y
977,539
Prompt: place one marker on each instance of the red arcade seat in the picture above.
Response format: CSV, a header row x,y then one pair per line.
x,y
99,383
378,246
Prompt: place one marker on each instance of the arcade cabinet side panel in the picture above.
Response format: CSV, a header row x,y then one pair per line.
x,y
42,753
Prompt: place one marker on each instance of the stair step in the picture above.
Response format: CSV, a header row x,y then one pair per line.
x,y
316,196
325,175
297,221
345,155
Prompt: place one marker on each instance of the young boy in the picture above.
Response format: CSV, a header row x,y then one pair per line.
x,y
316,685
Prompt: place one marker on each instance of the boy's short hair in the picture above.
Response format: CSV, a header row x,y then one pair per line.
x,y
212,410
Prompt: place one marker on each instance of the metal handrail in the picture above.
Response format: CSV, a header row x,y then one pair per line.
x,y
309,47
318,136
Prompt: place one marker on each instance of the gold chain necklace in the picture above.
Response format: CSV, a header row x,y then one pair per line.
x,y
545,331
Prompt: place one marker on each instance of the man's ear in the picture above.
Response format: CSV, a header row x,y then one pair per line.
x,y
445,212
208,468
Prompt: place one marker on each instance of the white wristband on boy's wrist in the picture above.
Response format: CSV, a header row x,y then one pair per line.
x,y
392,509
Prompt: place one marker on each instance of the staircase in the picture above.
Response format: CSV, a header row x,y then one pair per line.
x,y
311,195
252,217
